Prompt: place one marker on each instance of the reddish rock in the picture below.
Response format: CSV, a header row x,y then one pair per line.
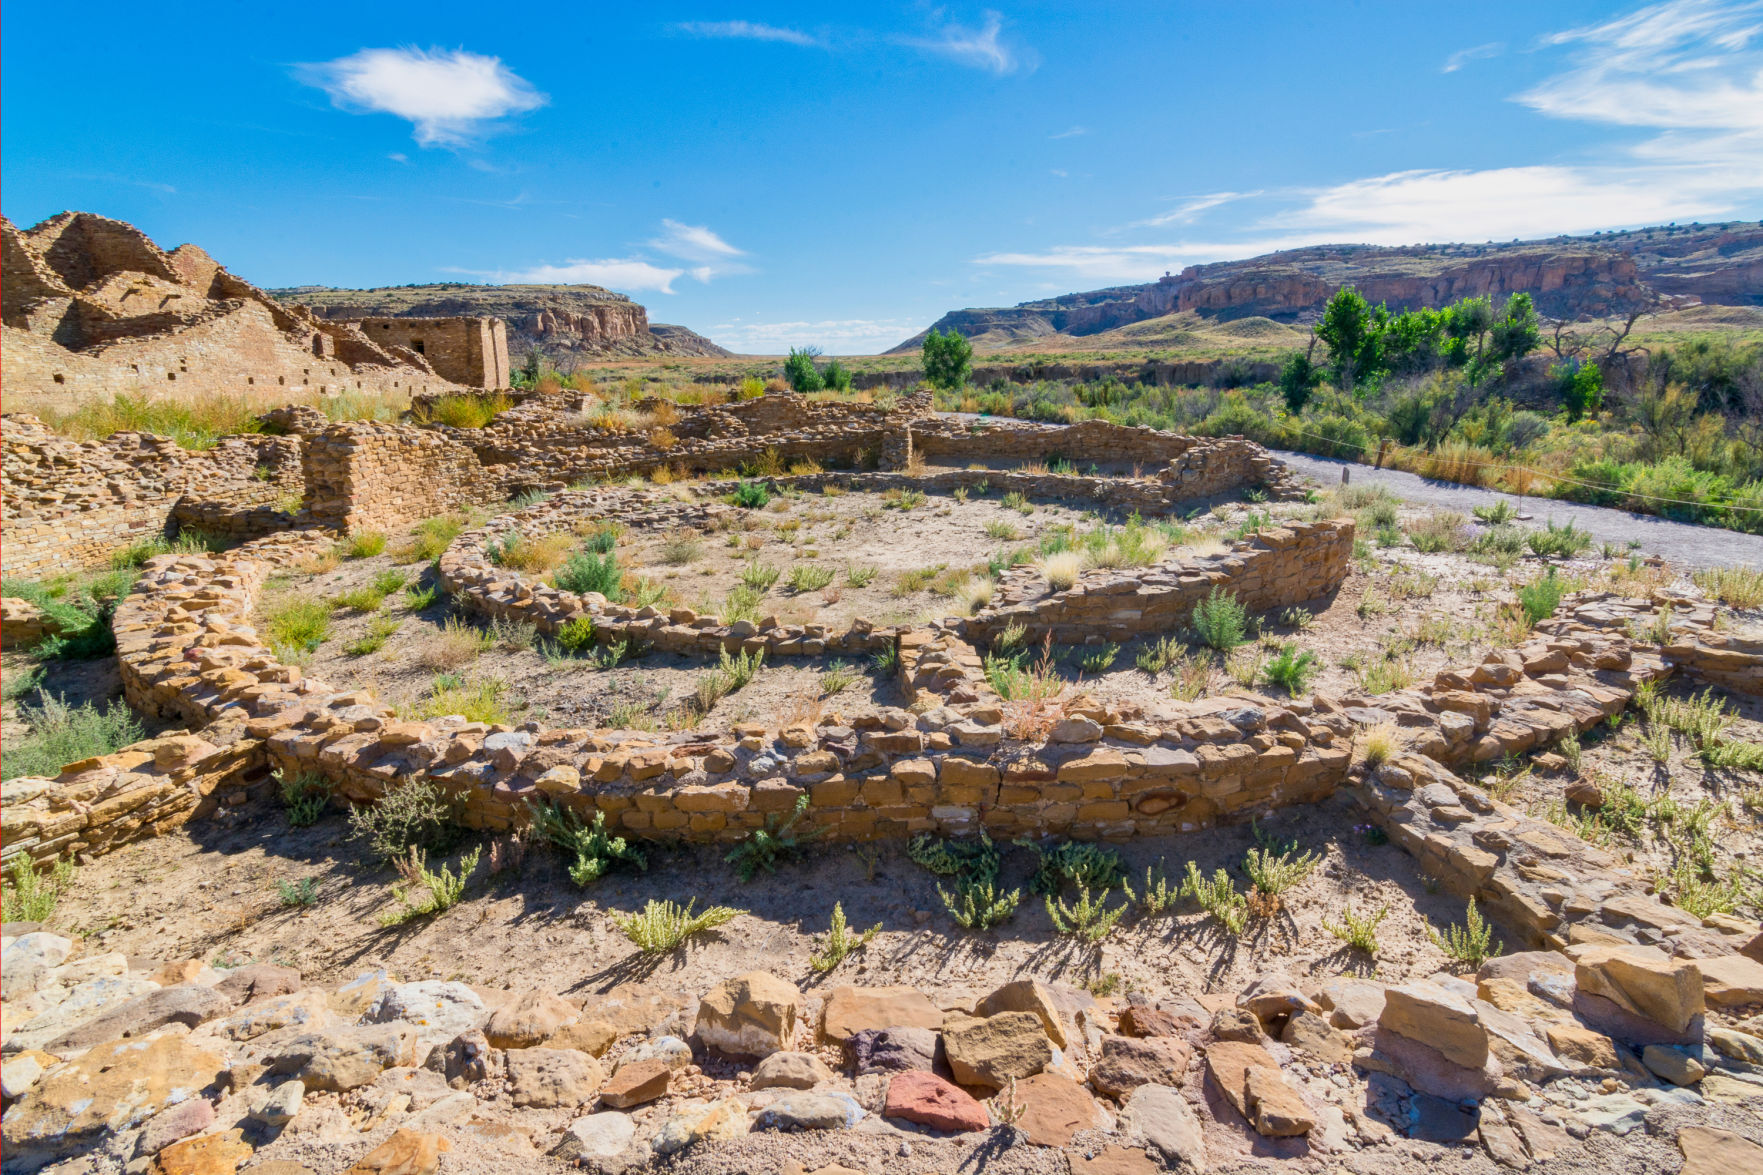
x,y
408,1152
636,1083
928,1100
1128,1062
1054,1108
1142,1021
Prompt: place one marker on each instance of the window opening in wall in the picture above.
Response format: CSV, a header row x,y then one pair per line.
x,y
59,379
416,345
172,375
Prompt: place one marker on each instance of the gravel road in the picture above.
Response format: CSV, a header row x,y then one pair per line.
x,y
1679,542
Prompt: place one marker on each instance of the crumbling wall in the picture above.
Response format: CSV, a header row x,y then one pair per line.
x,y
368,476
1274,568
468,351
69,504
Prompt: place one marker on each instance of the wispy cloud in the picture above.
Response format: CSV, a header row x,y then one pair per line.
x,y
980,48
843,336
1189,210
1108,263
695,242
618,273
450,96
747,30
1073,133
686,243
1462,57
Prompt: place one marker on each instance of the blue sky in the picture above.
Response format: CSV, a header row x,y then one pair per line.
x,y
774,174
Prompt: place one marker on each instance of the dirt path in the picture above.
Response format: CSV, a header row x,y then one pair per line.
x,y
1679,542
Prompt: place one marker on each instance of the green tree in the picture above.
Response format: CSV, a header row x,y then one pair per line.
x,y
948,359
1582,387
1353,330
800,372
836,377
1297,380
1517,333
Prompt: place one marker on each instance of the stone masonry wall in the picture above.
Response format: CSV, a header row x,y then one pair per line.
x,y
1275,568
472,352
67,504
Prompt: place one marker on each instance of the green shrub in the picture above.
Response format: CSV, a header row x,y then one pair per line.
x,y
765,847
298,893
809,577
1293,669
751,495
364,544
1083,864
800,372
432,536
62,734
1358,931
1221,622
759,576
576,634
1219,898
1087,918
299,623
593,851
412,814
979,904
1540,598
585,572
467,411
427,891
31,896
660,927
304,797
1470,944
966,859
1561,541
840,942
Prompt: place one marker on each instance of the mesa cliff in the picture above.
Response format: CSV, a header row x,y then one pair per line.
x,y
560,321
1569,277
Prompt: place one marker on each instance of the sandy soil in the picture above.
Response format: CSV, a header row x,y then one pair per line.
x,y
212,894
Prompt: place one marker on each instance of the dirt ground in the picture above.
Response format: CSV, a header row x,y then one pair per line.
x,y
212,894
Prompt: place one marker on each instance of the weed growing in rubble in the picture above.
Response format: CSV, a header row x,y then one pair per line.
x,y
1061,569
1003,530
379,631
1275,866
299,623
593,852
1221,621
759,576
585,572
859,577
60,734
428,891
1098,659
1736,587
1154,658
764,848
838,678
304,797
298,894
839,942
420,599
412,814
1219,898
1540,598
1292,670
364,544
980,904
1471,944
750,495
1083,864
1087,918
1358,931
1157,896
660,927
1559,541
32,895
1377,745
809,577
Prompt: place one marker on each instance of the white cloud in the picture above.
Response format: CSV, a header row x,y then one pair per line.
x,y
981,48
1073,133
1690,72
448,96
617,273
1189,210
693,242
1462,57
746,30
845,336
